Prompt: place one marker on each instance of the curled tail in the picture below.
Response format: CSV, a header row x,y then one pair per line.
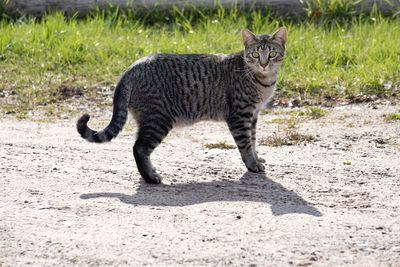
x,y
119,117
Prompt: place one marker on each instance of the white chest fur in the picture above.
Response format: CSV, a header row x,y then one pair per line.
x,y
267,88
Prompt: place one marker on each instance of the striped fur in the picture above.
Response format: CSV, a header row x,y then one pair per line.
x,y
162,91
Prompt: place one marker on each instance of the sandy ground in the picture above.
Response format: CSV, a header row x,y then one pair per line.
x,y
332,202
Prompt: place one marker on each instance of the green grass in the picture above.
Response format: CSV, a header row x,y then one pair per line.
x,y
392,117
316,112
39,58
292,118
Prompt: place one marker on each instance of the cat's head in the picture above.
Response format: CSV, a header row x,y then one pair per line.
x,y
264,53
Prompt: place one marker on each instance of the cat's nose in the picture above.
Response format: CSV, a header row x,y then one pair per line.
x,y
263,64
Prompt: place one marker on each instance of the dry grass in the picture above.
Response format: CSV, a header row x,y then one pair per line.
x,y
289,137
219,145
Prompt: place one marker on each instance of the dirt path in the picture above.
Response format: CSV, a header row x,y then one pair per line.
x,y
335,201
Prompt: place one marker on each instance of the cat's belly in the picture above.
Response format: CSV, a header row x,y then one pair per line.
x,y
183,121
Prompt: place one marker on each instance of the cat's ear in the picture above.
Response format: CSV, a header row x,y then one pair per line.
x,y
249,38
280,36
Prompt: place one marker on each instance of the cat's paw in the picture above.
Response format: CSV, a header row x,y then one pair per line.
x,y
260,160
154,178
257,167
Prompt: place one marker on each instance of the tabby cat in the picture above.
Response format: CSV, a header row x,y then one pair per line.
x,y
164,90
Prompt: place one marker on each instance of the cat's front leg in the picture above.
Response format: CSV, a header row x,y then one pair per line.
x,y
254,139
241,131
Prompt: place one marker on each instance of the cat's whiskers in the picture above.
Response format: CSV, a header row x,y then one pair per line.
x,y
249,75
246,73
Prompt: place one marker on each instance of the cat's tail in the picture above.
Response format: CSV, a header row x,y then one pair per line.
x,y
119,117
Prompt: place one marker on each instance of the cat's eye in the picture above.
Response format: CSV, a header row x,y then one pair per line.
x,y
273,54
255,54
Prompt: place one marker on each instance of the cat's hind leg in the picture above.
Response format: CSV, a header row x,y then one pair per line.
x,y
151,133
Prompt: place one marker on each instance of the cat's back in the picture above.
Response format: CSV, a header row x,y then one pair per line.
x,y
178,60
182,70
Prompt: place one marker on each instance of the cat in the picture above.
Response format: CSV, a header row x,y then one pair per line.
x,y
164,90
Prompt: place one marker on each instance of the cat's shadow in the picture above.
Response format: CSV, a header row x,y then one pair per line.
x,y
250,188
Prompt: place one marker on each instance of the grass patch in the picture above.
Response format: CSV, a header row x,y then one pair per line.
x,y
288,121
219,145
50,59
288,138
392,117
300,116
316,112
290,135
19,113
